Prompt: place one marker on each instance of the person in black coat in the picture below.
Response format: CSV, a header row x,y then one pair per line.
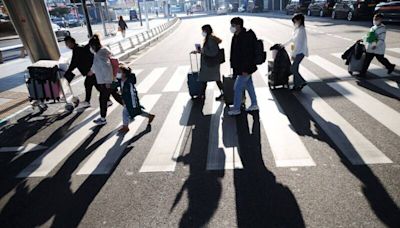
x,y
82,58
122,26
243,64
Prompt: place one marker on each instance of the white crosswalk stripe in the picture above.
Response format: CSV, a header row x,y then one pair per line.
x,y
43,165
103,159
393,60
177,79
167,145
397,50
145,85
358,149
379,111
329,66
285,143
223,141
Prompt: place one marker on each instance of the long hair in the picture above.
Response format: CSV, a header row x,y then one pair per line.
x,y
210,34
95,43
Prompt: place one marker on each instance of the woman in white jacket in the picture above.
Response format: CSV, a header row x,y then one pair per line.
x,y
377,48
103,70
299,50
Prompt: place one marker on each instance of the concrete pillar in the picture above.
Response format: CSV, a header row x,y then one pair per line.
x,y
32,22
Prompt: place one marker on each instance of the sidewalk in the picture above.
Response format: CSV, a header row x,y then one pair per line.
x,y
13,92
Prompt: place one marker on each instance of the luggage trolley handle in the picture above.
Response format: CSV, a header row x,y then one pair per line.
x,y
191,62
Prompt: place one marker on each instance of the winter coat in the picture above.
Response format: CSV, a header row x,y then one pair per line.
x,y
380,32
243,52
281,64
355,50
209,65
122,24
82,59
102,66
299,39
131,98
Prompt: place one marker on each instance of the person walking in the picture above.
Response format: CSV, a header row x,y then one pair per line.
x,y
299,49
122,26
375,42
102,68
132,107
243,64
210,62
82,59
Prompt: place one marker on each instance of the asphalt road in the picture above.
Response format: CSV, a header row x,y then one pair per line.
x,y
326,157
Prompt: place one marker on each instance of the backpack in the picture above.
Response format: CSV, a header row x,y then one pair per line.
x,y
260,55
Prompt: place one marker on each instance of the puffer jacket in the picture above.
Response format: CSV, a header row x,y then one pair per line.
x,y
380,32
130,97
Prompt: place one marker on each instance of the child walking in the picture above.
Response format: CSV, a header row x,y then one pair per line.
x,y
132,107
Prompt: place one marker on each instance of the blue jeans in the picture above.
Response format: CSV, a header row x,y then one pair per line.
x,y
298,80
242,83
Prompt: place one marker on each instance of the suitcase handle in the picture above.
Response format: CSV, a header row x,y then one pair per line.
x,y
191,62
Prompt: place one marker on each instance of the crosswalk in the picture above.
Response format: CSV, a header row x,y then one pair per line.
x,y
287,147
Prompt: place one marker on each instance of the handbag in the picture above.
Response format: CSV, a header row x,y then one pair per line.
x,y
221,55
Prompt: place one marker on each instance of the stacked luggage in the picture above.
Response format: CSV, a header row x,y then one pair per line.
x,y
46,83
355,57
279,67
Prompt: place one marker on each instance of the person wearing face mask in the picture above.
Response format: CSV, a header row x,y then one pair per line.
x,y
82,59
102,68
375,42
210,65
243,64
132,107
299,50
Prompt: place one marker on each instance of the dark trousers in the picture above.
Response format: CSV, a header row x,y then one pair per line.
x,y
90,81
380,58
105,96
219,84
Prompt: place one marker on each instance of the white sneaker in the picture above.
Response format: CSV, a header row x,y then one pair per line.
x,y
109,103
234,112
85,104
252,108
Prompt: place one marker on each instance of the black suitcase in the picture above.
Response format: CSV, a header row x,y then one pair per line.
x,y
279,68
228,83
196,88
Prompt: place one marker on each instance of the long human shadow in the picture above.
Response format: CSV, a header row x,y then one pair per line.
x,y
261,201
53,196
379,199
203,187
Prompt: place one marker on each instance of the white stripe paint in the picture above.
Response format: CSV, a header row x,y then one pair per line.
x,y
308,75
104,158
150,80
379,71
393,60
358,149
285,143
43,165
167,145
30,147
397,50
177,79
329,66
223,141
387,116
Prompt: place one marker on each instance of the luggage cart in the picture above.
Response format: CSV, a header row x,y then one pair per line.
x,y
46,84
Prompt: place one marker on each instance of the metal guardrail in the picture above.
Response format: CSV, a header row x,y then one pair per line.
x,y
116,48
18,47
136,41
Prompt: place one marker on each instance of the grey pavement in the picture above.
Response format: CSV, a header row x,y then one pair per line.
x,y
325,157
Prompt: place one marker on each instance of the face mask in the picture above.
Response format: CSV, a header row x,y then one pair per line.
x,y
119,75
233,29
204,34
376,22
297,24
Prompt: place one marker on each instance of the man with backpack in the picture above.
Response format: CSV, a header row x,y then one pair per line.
x,y
375,42
243,63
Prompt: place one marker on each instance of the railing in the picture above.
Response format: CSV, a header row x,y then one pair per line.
x,y
19,47
139,40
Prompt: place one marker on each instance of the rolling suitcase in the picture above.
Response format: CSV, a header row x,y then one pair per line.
x,y
52,90
196,88
279,68
356,65
228,84
35,89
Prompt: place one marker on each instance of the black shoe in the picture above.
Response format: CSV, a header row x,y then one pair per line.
x,y
391,69
220,98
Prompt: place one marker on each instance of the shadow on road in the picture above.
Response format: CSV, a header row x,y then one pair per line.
x,y
379,199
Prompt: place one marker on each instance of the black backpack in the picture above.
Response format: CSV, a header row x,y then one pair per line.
x,y
260,56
